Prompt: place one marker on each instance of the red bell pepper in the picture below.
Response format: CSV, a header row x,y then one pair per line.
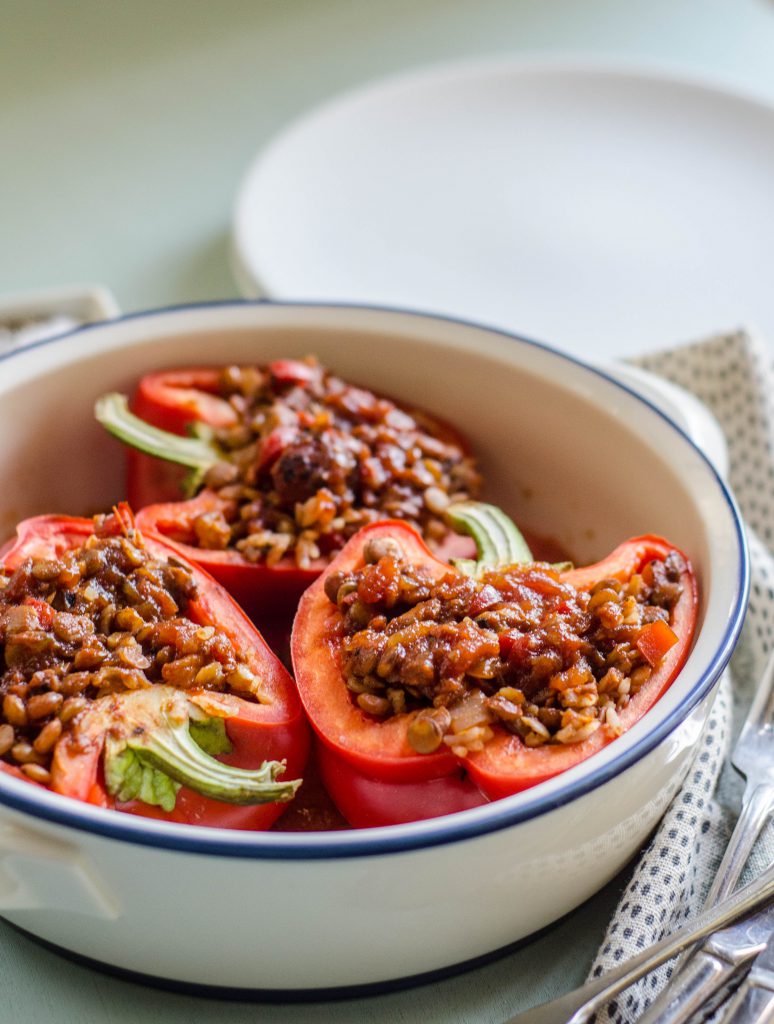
x,y
506,765
259,589
257,737
174,401
368,765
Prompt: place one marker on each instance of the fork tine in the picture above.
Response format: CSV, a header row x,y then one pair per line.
x,y
756,811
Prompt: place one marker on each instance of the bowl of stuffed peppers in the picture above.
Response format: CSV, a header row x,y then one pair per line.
x,y
315,616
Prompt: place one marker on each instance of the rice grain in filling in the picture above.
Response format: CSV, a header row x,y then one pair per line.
x,y
104,618
311,459
518,648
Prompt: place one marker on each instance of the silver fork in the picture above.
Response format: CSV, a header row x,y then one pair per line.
x,y
753,757
578,1006
754,749
693,983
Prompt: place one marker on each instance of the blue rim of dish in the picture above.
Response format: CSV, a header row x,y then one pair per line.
x,y
416,835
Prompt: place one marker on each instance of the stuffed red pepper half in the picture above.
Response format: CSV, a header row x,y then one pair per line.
x,y
434,689
130,679
285,463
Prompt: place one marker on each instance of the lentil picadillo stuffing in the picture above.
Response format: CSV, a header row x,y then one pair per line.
x,y
297,460
100,630
518,647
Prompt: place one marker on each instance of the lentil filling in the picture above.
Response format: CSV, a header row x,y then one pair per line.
x,y
518,647
101,619
311,459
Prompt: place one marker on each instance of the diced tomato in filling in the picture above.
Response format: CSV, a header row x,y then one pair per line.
x,y
519,647
104,618
309,459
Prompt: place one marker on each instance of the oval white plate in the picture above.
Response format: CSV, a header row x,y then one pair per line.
x,y
606,211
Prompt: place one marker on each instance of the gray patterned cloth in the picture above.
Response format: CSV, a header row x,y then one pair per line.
x,y
732,375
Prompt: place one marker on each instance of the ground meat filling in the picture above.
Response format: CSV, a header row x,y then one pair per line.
x,y
104,618
520,648
313,459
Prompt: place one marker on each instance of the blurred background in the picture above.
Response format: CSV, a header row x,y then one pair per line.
x,y
126,128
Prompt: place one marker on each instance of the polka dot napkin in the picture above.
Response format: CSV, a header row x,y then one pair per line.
x,y
733,376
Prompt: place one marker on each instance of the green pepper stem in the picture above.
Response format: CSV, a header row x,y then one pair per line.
x,y
173,751
149,750
498,540
197,453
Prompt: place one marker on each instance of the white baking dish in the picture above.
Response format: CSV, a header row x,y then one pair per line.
x,y
570,453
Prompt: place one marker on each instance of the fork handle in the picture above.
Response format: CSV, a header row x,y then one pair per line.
x,y
577,1007
754,1002
703,977
674,1003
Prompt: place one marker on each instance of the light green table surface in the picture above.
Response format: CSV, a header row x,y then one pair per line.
x,y
125,129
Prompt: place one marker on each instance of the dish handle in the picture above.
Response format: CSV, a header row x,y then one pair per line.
x,y
38,872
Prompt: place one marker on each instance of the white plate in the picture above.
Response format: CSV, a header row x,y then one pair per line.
x,y
604,210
